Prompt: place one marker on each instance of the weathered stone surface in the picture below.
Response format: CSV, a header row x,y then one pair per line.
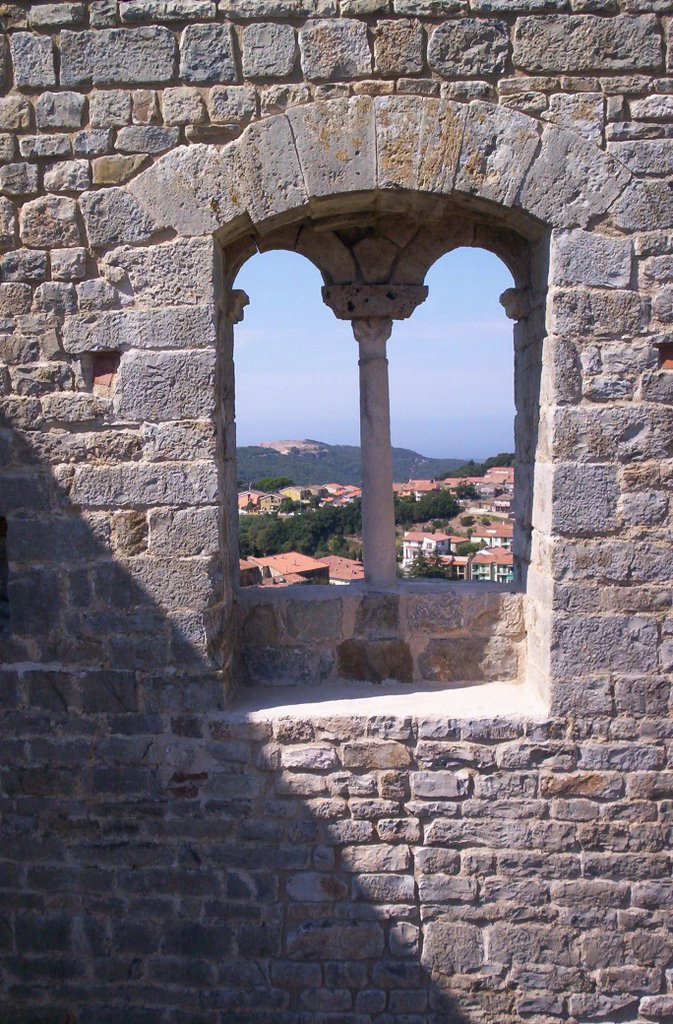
x,y
232,104
206,54
452,947
269,50
358,940
133,485
113,216
33,60
59,110
110,108
183,106
398,48
335,50
189,327
117,56
49,221
331,164
563,43
587,258
469,48
584,313
498,146
473,658
174,273
375,660
68,176
165,386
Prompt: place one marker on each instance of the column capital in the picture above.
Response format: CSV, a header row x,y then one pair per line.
x,y
384,301
238,300
372,333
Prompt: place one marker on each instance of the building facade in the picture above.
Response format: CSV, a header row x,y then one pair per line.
x,y
184,839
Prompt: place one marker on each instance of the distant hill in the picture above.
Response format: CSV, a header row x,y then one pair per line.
x,y
313,462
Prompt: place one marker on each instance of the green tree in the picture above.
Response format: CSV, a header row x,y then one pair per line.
x,y
429,568
467,548
272,483
467,521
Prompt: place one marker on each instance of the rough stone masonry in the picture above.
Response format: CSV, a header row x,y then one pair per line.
x,y
166,858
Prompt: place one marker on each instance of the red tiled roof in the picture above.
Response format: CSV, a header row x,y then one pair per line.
x,y
343,568
291,562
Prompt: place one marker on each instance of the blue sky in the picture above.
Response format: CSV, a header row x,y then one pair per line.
x,y
451,363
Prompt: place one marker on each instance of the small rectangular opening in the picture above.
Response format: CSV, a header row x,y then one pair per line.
x,y
4,577
666,355
104,369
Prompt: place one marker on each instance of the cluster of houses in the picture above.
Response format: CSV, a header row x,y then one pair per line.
x,y
492,561
252,502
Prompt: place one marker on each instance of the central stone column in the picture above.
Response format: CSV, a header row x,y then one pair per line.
x,y
371,310
378,503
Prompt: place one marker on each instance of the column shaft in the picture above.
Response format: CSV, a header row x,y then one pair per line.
x,y
378,508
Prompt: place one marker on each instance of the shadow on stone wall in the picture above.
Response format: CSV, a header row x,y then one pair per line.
x,y
165,863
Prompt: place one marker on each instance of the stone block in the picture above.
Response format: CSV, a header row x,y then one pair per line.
x,y
264,191
109,108
469,48
184,533
375,660
582,112
7,223
373,888
309,758
452,947
567,44
115,170
37,146
117,56
24,265
49,221
375,754
182,106
146,139
497,149
333,51
570,183
398,47
470,659
18,179
59,110
587,258
439,785
591,644
320,620
135,484
580,312
113,216
207,54
33,60
336,145
68,176
160,386
335,940
94,142
232,104
313,887
180,327
173,273
167,10
55,297
96,294
56,15
269,50
16,113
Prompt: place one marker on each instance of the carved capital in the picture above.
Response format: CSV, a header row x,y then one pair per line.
x,y
371,334
516,303
238,300
361,301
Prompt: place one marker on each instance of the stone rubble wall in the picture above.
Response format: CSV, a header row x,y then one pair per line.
x,y
161,860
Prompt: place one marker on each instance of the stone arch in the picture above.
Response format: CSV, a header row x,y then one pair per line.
x,y
323,157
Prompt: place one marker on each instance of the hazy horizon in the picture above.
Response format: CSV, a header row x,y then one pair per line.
x,y
451,363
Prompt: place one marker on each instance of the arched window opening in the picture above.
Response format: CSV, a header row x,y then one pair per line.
x,y
297,432
452,400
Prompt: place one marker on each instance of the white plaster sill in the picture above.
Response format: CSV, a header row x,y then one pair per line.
x,y
483,701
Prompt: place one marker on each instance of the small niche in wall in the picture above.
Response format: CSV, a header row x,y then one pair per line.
x,y
4,578
100,371
666,355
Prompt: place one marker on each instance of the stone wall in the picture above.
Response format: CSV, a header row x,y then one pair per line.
x,y
164,858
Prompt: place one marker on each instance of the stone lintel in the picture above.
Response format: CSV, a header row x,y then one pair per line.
x,y
362,301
